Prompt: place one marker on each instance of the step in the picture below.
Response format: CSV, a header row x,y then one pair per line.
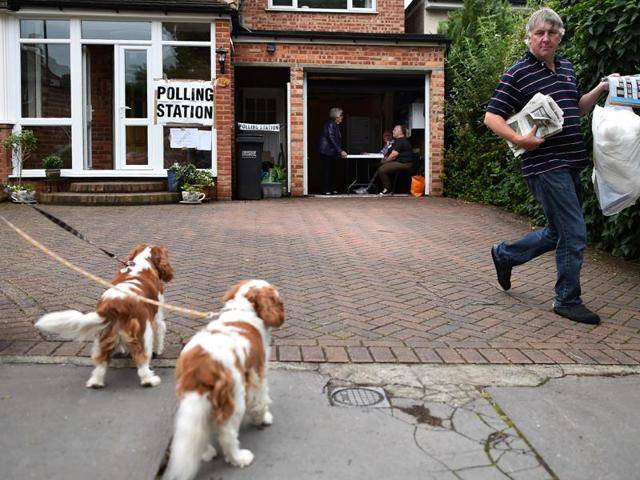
x,y
119,187
89,199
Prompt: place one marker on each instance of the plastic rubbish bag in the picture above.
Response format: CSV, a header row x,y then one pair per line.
x,y
616,157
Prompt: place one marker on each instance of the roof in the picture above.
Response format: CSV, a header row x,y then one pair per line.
x,y
354,37
185,6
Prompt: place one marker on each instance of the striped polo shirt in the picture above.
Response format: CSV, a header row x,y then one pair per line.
x,y
522,81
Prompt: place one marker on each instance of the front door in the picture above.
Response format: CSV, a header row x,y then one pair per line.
x,y
132,107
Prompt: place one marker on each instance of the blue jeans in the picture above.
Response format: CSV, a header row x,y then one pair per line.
x,y
559,193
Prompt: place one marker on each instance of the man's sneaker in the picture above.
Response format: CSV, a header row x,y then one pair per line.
x,y
578,313
386,193
503,269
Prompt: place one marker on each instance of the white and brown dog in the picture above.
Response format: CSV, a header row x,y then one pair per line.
x,y
221,379
120,318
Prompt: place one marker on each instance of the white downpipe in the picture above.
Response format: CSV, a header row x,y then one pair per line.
x,y
427,134
304,142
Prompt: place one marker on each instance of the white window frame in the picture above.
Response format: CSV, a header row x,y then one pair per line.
x,y
350,8
14,102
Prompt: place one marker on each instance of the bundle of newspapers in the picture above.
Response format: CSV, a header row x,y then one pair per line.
x,y
541,111
624,90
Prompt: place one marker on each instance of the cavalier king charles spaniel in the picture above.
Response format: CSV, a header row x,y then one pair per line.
x,y
121,318
221,379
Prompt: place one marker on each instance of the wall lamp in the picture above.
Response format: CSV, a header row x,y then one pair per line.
x,y
222,58
271,48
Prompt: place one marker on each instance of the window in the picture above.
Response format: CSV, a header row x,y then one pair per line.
x,y
104,30
324,5
45,69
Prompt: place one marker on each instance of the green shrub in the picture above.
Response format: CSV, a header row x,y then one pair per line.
x,y
603,36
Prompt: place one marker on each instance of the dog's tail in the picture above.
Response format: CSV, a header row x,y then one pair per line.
x,y
190,438
71,324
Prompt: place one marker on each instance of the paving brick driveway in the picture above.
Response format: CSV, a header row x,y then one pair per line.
x,y
364,279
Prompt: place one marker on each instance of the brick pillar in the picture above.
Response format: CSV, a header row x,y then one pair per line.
x,y
297,131
5,155
224,106
437,132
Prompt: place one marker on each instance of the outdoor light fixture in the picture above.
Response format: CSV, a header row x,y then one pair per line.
x,y
271,48
222,57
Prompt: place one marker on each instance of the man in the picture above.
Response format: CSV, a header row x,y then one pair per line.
x,y
550,167
398,160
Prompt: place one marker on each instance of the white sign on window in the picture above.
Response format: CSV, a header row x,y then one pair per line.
x,y
183,102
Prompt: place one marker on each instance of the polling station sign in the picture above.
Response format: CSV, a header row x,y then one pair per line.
x,y
183,102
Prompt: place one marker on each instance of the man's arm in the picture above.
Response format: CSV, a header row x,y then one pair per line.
x,y
499,126
391,157
588,100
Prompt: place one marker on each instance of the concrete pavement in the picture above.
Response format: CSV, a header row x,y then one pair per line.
x,y
441,422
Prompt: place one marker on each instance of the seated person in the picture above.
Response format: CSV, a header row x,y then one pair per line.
x,y
387,137
400,158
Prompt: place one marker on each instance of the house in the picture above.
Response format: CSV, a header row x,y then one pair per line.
x,y
121,89
424,16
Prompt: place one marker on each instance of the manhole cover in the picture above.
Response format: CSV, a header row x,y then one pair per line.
x,y
359,397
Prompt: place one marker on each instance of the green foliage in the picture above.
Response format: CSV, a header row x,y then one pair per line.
x,y
187,187
188,174
276,174
486,37
17,187
602,36
52,162
22,144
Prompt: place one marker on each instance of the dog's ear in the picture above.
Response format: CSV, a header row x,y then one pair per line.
x,y
268,305
232,291
160,258
136,251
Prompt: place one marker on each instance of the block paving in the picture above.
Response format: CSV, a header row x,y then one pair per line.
x,y
365,280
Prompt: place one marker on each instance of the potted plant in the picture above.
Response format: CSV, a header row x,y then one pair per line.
x,y
21,144
52,165
274,183
203,180
191,194
23,193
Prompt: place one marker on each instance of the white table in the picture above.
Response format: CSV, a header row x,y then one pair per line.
x,y
362,158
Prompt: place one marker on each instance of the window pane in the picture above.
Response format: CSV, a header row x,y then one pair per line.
x,y
200,158
194,32
328,4
51,141
100,30
46,80
136,145
44,29
282,3
189,63
135,84
362,3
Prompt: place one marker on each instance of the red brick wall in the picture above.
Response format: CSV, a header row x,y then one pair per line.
x,y
102,103
224,112
388,19
353,56
5,155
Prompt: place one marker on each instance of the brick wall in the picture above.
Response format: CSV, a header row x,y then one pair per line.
x,y
224,112
102,103
299,56
5,155
388,19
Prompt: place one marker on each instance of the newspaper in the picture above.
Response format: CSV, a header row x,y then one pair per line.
x,y
543,111
624,90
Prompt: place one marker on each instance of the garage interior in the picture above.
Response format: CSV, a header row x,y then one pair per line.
x,y
373,103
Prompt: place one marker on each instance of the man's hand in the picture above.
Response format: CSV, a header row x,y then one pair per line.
x,y
343,154
529,141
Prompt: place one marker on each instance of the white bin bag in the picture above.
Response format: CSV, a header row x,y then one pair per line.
x,y
616,156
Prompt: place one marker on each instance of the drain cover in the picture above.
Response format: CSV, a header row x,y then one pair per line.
x,y
359,397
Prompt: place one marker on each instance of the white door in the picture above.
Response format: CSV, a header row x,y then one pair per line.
x,y
133,105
